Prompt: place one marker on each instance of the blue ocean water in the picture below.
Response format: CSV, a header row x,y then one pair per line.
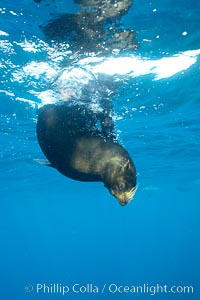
x,y
58,231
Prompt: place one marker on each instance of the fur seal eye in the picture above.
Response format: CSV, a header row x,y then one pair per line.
x,y
122,186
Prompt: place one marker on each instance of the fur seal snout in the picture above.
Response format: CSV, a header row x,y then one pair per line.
x,y
70,140
121,177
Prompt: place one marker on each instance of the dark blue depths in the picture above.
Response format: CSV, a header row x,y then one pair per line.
x,y
58,231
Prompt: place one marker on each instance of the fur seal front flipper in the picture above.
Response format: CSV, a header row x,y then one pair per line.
x,y
70,140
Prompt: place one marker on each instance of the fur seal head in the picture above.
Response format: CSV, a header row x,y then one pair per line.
x,y
121,177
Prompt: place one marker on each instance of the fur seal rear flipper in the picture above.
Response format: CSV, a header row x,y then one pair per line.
x,y
70,140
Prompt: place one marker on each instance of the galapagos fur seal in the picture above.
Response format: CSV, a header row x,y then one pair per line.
x,y
77,148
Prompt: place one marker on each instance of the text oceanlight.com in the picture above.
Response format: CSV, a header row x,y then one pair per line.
x,y
111,288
